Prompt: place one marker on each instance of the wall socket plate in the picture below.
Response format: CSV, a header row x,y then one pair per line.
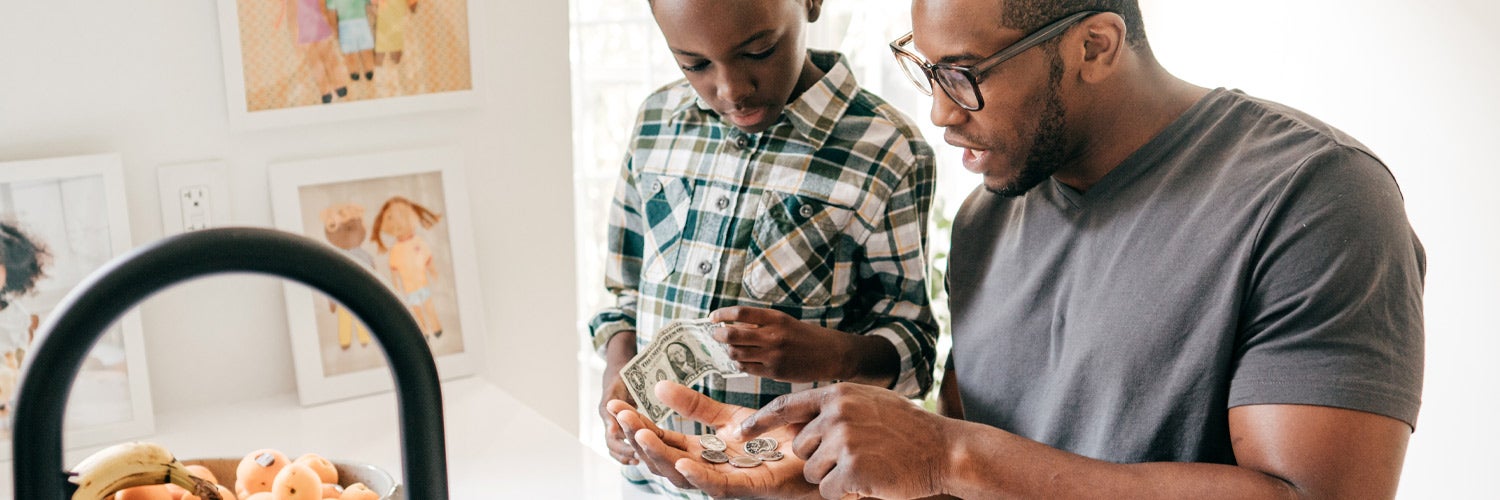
x,y
194,196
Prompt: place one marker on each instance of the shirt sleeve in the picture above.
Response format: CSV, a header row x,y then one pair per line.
x,y
622,268
894,273
1334,311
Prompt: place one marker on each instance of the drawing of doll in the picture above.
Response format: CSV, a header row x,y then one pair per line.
x,y
410,258
312,27
344,226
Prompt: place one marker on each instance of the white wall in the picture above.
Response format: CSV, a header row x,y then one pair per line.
x,y
1415,81
145,79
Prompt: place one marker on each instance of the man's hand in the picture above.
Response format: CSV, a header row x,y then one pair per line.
x,y
620,349
861,441
677,456
772,344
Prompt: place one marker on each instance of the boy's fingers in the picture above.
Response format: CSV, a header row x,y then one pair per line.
x,y
695,406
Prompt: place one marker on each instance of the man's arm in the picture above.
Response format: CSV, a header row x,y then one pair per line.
x,y
865,441
1284,451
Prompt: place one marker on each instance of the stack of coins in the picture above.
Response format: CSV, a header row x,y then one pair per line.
x,y
757,451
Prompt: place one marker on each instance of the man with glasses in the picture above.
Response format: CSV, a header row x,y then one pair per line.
x,y
1161,291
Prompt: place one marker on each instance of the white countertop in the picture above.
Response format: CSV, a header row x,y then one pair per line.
x,y
497,447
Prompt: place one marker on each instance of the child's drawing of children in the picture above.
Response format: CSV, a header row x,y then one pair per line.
x,y
312,27
410,257
344,226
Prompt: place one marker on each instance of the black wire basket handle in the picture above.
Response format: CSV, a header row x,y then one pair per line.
x,y
87,312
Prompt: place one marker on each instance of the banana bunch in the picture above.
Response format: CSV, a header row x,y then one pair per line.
x,y
133,464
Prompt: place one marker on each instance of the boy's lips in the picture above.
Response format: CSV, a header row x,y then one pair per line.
x,y
746,117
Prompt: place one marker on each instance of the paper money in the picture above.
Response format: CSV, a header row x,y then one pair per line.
x,y
683,352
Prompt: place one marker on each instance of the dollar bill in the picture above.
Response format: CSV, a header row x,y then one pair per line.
x,y
683,352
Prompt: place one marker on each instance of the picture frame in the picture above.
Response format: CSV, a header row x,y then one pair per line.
x,y
67,216
372,207
276,72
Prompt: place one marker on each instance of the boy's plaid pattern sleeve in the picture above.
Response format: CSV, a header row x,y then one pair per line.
x,y
623,268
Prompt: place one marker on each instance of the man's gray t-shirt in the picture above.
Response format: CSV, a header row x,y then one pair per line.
x,y
1248,254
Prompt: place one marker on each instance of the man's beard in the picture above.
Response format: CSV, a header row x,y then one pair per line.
x,y
1047,147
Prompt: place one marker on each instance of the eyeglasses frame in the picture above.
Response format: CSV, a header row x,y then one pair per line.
x,y
975,73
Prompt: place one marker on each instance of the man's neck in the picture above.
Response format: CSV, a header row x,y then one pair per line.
x,y
1134,111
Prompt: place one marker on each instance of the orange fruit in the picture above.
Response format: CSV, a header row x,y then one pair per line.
x,y
358,491
153,492
203,473
327,473
257,471
297,482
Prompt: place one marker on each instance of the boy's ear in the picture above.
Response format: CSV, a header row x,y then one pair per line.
x,y
814,9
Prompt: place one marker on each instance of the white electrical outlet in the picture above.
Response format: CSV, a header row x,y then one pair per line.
x,y
193,196
196,213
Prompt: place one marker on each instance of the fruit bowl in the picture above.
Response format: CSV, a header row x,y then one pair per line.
x,y
373,477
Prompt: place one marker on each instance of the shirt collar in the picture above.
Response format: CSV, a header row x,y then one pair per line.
x,y
814,113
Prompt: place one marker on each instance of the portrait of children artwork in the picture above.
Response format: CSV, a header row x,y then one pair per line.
x,y
344,226
315,56
410,258
25,261
402,216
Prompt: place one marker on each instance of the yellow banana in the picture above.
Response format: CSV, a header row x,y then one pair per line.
x,y
133,464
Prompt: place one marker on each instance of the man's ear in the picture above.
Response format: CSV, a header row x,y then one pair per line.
x,y
814,10
1103,42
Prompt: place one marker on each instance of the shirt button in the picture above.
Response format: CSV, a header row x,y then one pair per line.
x,y
656,187
705,266
742,141
806,211
723,202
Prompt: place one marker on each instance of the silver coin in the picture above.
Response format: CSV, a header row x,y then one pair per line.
x,y
744,461
770,456
712,442
757,445
715,456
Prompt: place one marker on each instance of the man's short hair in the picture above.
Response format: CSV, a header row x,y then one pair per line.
x,y
1027,16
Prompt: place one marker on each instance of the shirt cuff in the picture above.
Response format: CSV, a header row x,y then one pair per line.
x,y
909,381
606,331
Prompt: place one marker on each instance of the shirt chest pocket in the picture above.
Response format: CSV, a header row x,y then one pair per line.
x,y
796,251
667,203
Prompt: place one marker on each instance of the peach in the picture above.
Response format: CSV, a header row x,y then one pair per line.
x,y
297,482
257,471
153,492
203,473
333,491
358,491
327,473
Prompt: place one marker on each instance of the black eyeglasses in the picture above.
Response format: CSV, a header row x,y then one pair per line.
x,y
961,83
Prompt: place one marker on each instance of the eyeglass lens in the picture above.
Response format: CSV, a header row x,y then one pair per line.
x,y
914,70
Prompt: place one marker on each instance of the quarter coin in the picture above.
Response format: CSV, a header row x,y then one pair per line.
x,y
744,461
715,456
770,456
712,442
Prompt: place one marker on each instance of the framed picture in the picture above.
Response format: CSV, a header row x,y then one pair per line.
x,y
62,219
289,62
404,216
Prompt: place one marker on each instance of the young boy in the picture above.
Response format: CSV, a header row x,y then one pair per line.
x,y
769,191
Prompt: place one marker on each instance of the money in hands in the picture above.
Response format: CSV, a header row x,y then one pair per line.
x,y
683,352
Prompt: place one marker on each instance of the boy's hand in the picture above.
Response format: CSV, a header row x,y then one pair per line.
x,y
772,344
618,352
678,457
614,436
